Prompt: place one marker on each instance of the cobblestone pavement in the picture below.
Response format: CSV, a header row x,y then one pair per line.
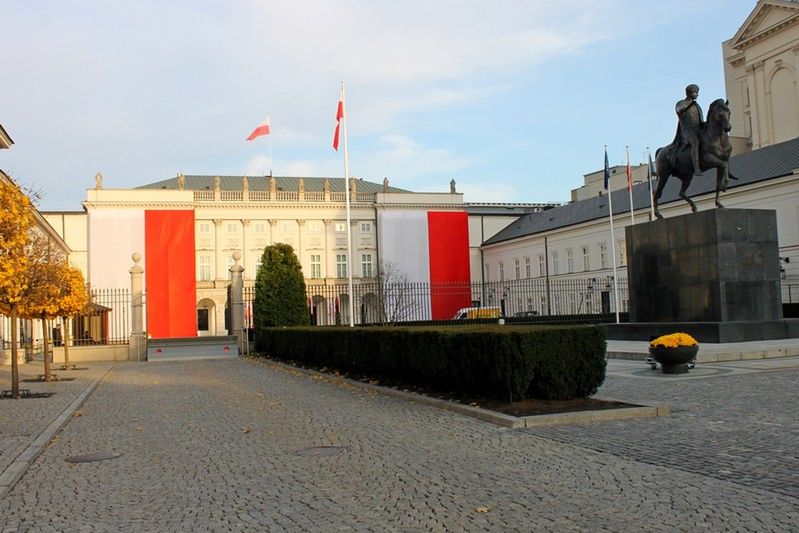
x,y
231,446
21,421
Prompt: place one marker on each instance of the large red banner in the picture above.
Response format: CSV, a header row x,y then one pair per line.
x,y
448,241
170,274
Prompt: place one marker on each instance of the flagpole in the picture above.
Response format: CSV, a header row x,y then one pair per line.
x,y
612,235
649,179
630,187
270,145
347,202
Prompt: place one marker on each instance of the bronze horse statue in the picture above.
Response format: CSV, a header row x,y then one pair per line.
x,y
714,152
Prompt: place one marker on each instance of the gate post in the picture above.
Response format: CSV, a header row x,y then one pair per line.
x,y
138,340
237,302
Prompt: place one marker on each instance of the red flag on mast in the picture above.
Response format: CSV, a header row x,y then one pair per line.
x,y
264,128
339,116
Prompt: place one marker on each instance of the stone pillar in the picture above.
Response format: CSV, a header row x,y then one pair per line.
x,y
272,230
245,242
217,249
299,251
138,339
237,302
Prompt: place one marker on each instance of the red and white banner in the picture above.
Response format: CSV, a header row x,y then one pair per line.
x,y
429,247
264,128
339,116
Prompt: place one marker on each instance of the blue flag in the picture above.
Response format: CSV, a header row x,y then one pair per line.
x,y
607,170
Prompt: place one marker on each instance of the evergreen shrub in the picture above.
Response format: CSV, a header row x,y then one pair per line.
x,y
502,362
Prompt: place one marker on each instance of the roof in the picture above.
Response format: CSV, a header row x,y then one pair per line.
x,y
507,209
770,162
5,139
261,183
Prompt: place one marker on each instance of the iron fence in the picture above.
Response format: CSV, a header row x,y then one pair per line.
x,y
571,299
790,288
106,319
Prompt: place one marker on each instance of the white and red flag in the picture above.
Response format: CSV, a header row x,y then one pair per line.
x,y
339,116
264,128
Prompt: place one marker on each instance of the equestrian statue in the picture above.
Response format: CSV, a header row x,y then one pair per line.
x,y
698,146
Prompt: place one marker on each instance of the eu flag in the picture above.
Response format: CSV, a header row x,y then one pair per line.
x,y
607,170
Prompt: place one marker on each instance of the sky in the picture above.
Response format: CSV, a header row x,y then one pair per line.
x,y
514,100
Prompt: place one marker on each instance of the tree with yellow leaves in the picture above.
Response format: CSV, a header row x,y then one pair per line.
x,y
73,299
16,221
43,278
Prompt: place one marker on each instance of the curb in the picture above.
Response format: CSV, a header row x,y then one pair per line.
x,y
499,419
18,467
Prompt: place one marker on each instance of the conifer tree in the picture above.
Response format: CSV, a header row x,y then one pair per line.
x,y
280,298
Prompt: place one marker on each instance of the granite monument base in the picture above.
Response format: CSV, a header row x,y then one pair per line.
x,y
712,274
712,332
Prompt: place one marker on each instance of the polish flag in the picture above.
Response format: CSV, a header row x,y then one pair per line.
x,y
339,116
264,128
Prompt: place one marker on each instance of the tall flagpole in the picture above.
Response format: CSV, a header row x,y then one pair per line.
x,y
612,235
630,187
347,202
270,145
649,179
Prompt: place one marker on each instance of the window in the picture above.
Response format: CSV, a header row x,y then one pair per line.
x,y
517,268
316,266
314,227
204,268
488,272
501,271
586,259
541,265
205,227
202,319
366,265
603,255
341,227
259,227
258,264
555,263
622,255
341,265
366,227
569,260
231,227
527,268
287,228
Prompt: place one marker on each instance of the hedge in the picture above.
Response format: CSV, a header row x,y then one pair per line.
x,y
502,362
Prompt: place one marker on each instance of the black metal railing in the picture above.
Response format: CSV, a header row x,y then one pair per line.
x,y
583,299
106,319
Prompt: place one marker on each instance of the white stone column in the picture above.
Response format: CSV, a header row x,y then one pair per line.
x,y
300,252
218,249
138,339
245,242
236,302
272,230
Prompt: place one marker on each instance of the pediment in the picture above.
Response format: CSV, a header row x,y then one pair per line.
x,y
766,18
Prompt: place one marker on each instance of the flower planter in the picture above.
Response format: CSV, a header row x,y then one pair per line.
x,y
674,360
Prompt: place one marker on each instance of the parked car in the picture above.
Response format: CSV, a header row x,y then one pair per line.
x,y
477,312
525,314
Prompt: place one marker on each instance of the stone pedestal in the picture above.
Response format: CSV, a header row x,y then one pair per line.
x,y
713,272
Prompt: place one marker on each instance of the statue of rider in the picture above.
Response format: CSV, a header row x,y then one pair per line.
x,y
689,128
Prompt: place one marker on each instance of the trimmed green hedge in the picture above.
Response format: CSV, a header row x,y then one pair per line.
x,y
503,362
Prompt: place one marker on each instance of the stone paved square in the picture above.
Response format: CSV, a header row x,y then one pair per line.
x,y
231,445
